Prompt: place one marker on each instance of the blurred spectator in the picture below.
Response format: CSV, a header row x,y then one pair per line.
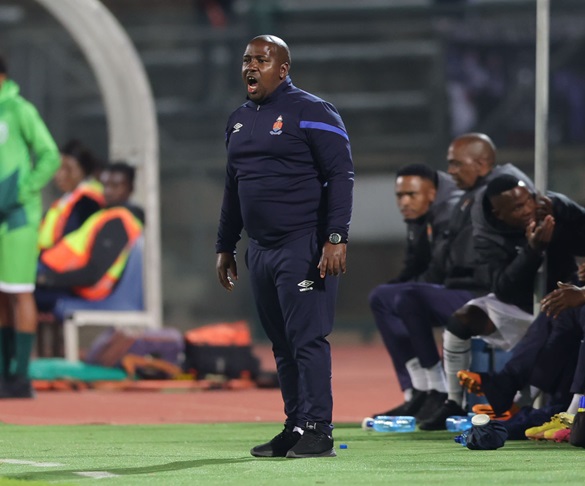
x,y
82,194
476,84
214,12
89,261
569,88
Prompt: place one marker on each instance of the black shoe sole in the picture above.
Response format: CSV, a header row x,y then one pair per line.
x,y
294,455
266,454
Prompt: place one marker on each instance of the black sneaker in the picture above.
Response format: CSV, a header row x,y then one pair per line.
x,y
278,446
433,401
16,387
411,407
313,443
437,420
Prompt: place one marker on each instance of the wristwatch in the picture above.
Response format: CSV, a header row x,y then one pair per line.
x,y
336,238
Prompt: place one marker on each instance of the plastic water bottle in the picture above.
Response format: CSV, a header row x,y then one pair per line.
x,y
458,423
462,438
401,423
478,420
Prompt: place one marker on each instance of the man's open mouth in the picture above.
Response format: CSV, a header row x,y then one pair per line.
x,y
252,84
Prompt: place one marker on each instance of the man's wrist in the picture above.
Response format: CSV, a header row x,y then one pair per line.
x,y
337,238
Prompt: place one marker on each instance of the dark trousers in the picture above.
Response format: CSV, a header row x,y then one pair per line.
x,y
394,334
46,298
578,383
406,313
296,309
546,357
547,351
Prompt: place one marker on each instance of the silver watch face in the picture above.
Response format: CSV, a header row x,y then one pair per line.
x,y
335,238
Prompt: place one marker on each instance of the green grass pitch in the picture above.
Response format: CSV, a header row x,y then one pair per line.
x,y
218,454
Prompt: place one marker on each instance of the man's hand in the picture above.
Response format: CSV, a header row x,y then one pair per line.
x,y
539,235
226,265
567,296
544,207
332,260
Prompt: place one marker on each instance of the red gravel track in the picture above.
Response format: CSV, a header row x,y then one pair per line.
x,y
363,382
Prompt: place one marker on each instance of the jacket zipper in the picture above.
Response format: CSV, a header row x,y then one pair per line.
x,y
255,118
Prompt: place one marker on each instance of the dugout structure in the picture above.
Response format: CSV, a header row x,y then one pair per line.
x,y
132,136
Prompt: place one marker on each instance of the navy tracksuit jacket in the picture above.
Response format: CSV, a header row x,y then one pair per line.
x,y
289,183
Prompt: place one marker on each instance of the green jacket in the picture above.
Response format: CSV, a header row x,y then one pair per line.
x,y
22,134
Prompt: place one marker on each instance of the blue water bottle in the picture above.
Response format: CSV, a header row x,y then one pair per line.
x,y
458,423
462,438
401,423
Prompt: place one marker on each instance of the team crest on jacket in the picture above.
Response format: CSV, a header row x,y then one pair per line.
x,y
277,127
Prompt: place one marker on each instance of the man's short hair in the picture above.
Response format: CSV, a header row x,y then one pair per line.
x,y
420,170
3,65
124,168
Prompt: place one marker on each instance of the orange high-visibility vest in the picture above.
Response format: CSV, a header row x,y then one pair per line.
x,y
74,251
55,220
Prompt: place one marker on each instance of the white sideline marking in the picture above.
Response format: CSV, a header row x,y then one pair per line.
x,y
32,463
97,474
87,474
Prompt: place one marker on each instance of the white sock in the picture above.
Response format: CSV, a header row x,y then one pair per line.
x,y
417,374
574,404
456,357
526,396
436,379
407,394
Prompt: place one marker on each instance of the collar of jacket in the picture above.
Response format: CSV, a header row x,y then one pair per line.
x,y
422,219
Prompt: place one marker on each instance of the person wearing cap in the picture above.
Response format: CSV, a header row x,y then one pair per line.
x,y
22,134
515,231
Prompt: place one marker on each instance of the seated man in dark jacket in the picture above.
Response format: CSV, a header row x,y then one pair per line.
x,y
449,281
425,198
511,239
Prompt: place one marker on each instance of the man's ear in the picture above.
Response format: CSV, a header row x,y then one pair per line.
x,y
484,166
432,194
284,67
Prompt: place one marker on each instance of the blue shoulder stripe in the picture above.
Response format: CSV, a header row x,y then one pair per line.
x,y
324,126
